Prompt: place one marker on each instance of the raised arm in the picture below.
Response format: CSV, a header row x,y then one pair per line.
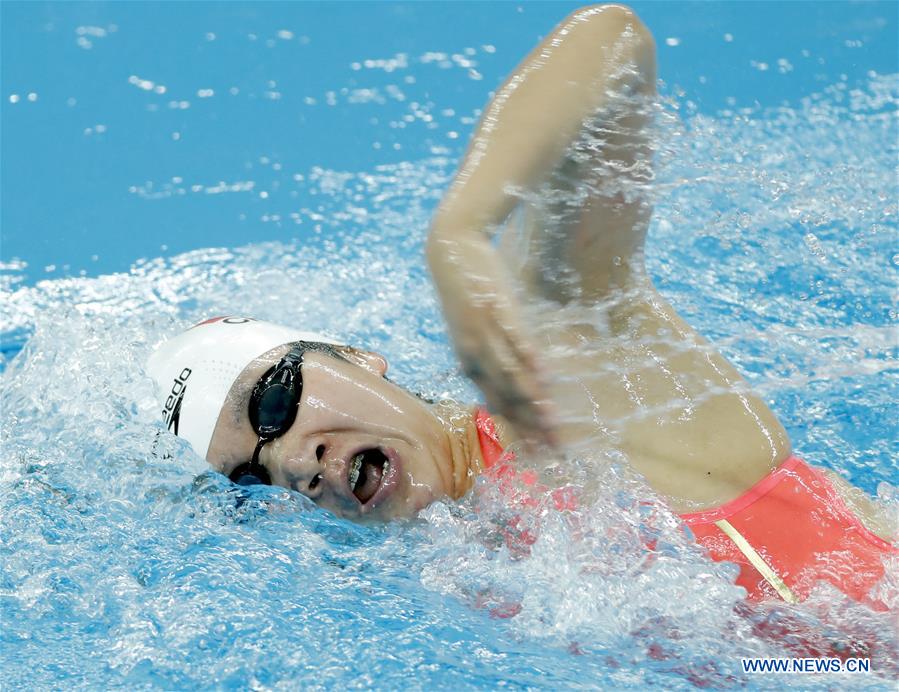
x,y
522,138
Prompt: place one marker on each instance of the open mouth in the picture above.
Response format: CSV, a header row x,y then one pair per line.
x,y
368,469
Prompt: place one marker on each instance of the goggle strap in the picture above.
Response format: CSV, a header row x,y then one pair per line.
x,y
256,452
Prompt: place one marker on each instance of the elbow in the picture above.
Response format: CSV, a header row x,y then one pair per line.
x,y
621,15
620,20
637,40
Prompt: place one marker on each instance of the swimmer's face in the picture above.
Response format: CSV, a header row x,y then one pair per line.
x,y
360,446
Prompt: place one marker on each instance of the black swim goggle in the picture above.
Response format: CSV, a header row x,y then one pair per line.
x,y
273,409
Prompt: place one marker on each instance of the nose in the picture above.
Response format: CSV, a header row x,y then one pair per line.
x,y
300,469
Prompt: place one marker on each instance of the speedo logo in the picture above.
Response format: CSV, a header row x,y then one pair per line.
x,y
171,413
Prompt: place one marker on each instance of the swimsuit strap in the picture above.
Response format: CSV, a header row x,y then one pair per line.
x,y
769,541
747,498
720,515
491,449
521,486
783,525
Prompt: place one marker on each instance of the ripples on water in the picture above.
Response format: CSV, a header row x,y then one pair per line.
x,y
125,560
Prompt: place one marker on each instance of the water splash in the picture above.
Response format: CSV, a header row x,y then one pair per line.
x,y
124,559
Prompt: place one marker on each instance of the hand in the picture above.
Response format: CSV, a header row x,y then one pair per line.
x,y
489,335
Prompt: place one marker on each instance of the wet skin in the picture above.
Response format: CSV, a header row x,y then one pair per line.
x,y
560,325
412,452
348,407
640,381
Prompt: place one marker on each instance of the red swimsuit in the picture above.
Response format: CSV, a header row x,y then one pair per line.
x,y
788,532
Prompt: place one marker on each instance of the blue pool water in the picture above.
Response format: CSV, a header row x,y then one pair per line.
x,y
165,162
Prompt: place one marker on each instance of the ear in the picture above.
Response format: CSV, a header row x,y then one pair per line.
x,y
369,360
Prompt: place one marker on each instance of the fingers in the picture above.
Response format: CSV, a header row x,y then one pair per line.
x,y
506,369
529,393
496,353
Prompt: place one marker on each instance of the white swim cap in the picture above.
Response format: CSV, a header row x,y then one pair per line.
x,y
195,370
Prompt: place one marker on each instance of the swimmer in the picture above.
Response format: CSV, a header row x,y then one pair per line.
x,y
560,167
